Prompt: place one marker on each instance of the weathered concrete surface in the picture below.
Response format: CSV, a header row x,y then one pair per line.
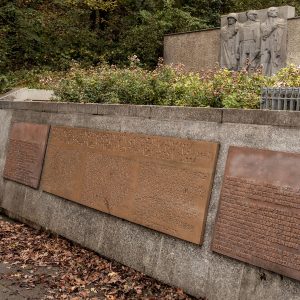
x,y
200,50
25,94
293,47
197,51
5,118
197,270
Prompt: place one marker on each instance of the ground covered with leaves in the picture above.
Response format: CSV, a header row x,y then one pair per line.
x,y
37,265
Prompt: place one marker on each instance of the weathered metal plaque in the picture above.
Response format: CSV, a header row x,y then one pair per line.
x,y
26,151
258,220
161,183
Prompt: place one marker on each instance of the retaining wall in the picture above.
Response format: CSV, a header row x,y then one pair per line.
x,y
196,269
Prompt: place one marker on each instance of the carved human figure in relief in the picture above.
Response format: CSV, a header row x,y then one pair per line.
x,y
249,42
230,43
273,45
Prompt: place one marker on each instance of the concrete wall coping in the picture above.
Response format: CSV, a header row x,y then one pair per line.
x,y
210,29
201,114
193,31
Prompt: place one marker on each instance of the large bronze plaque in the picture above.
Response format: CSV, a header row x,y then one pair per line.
x,y
258,220
161,183
26,151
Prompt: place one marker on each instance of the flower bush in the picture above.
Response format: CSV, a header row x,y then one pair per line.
x,y
165,85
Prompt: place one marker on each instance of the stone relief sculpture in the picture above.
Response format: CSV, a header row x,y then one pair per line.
x,y
254,43
230,43
250,42
274,37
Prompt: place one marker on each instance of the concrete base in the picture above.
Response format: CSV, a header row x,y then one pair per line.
x,y
196,269
26,94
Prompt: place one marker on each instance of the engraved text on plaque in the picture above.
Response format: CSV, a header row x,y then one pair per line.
x,y
26,151
158,182
259,215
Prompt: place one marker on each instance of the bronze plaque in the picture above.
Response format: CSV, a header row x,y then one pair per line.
x,y
26,151
159,182
258,220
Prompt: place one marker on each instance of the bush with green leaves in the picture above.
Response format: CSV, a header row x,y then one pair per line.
x,y
4,84
37,78
167,85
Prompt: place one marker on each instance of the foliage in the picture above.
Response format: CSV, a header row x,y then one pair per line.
x,y
289,76
146,40
167,85
4,84
35,78
52,33
105,5
44,33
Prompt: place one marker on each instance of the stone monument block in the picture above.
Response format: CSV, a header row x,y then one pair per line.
x,y
159,182
258,221
267,38
25,154
256,38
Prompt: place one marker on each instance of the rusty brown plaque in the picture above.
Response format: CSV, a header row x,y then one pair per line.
x,y
158,182
26,151
258,220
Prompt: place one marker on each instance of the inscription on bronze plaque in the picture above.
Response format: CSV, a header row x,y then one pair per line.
x,y
258,220
26,151
161,183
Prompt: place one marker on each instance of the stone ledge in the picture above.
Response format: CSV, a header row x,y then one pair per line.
x,y
200,114
262,117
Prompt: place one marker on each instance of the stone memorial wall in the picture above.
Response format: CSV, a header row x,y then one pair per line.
x,y
286,12
151,188
257,41
268,37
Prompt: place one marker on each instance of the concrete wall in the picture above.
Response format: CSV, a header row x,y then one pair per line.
x,y
24,94
196,269
197,50
293,55
200,50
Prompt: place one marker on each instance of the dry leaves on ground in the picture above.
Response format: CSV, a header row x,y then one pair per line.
x,y
68,271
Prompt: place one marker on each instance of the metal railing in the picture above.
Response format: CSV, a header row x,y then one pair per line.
x,y
284,98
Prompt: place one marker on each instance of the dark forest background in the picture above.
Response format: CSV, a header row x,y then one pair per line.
x,y
53,34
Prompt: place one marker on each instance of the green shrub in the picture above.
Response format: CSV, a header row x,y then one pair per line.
x,y
166,85
34,78
289,76
3,84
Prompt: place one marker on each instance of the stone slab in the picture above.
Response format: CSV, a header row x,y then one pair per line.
x,y
293,46
196,51
258,221
158,182
285,12
25,153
